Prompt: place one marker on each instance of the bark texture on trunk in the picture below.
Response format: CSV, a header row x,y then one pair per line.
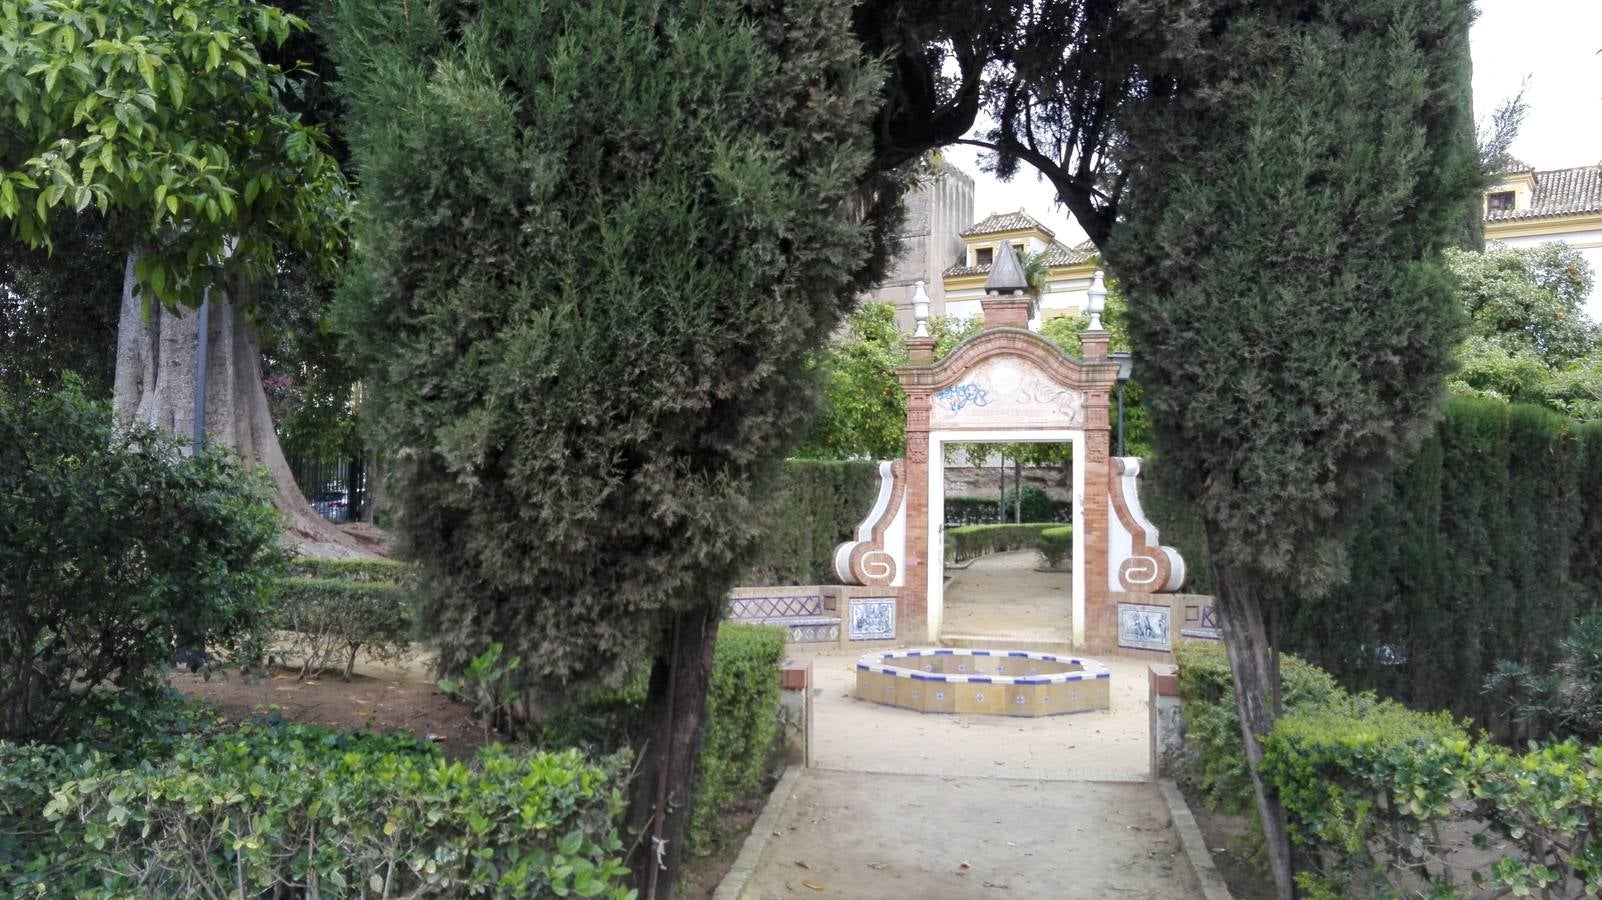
x,y
1247,644
675,709
155,385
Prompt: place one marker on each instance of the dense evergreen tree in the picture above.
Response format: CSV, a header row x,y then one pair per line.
x,y
1286,210
598,242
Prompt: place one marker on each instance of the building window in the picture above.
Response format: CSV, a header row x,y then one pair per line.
x,y
983,256
1501,201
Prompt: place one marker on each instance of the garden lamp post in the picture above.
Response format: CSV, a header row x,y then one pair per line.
x,y
1126,365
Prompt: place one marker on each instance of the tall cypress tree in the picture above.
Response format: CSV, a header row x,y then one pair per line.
x,y
1288,200
597,242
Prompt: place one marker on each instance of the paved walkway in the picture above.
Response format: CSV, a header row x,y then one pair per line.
x,y
909,806
890,837
1003,596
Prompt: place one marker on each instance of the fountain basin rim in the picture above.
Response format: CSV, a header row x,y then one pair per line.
x,y
876,662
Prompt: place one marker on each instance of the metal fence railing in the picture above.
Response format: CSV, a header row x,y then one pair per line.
x,y
335,488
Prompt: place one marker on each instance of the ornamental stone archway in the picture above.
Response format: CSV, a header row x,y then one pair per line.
x,y
1008,384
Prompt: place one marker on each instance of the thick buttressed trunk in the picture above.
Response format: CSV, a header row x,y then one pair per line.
x,y
1246,641
675,709
156,385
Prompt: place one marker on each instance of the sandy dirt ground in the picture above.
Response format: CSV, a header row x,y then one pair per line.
x,y
1003,596
884,837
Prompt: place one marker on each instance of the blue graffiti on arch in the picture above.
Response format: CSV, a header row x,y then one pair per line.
x,y
958,396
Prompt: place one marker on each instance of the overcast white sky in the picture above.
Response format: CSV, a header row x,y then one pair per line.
x,y
1552,42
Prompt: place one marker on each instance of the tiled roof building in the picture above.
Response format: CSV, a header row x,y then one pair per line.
x,y
1528,207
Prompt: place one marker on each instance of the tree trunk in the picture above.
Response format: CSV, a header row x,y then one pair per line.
x,y
661,792
156,385
1247,644
1017,491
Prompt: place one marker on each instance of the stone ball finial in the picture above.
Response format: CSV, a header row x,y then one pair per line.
x,y
1006,274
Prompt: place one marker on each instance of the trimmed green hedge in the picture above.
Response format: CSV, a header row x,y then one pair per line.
x,y
330,616
1486,547
1216,762
1055,545
1381,799
970,541
389,570
742,728
817,506
296,809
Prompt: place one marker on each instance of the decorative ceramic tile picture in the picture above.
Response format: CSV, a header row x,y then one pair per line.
x,y
1143,626
873,619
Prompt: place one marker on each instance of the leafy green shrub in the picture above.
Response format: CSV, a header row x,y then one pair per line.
x,y
1380,797
1384,801
1037,506
969,541
327,617
972,511
266,811
818,505
385,570
115,550
1565,701
1055,545
1216,756
741,728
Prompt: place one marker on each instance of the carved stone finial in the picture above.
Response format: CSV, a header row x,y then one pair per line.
x,y
1006,274
920,311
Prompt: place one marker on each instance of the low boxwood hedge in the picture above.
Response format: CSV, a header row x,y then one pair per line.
x,y
329,617
1385,801
1055,545
969,541
301,810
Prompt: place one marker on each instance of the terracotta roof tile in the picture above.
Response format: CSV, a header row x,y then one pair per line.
x,y
1559,192
1058,254
999,222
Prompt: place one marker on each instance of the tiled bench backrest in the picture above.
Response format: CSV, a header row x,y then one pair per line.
x,y
760,609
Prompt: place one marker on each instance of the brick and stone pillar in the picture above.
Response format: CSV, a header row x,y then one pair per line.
x,y
912,608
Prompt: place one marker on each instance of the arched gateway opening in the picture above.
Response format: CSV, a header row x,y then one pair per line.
x,y
1008,384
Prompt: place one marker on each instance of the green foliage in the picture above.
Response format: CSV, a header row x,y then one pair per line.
x,y
1563,701
56,315
741,729
864,411
114,105
1530,340
1055,545
1037,506
1384,801
1483,548
295,809
1381,795
1292,359
741,726
363,570
586,302
971,511
1217,757
488,684
328,617
817,505
1528,299
968,541
116,550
